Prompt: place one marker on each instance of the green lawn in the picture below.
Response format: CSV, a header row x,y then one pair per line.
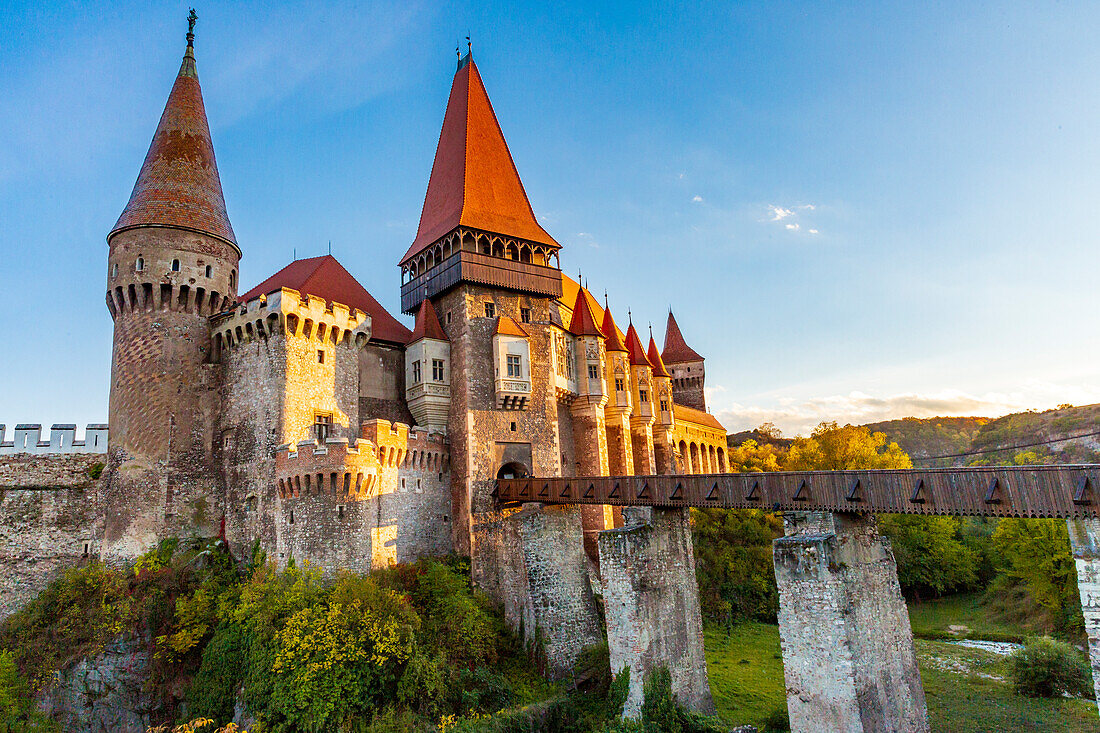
x,y
964,687
935,619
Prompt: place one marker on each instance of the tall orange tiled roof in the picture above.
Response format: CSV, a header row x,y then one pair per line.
x,y
326,278
474,182
570,288
676,350
583,322
427,324
178,185
654,357
614,340
634,348
508,327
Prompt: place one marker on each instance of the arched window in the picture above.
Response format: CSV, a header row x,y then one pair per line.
x,y
114,270
175,265
233,278
140,264
209,270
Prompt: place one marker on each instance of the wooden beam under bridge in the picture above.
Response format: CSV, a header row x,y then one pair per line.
x,y
1066,492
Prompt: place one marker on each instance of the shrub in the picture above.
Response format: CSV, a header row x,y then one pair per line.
x,y
777,721
95,470
1046,667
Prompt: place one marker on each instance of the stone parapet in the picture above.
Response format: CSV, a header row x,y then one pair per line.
x,y
295,314
27,438
48,471
348,472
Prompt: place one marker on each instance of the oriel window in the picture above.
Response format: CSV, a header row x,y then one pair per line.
x,y
515,366
593,371
437,370
416,372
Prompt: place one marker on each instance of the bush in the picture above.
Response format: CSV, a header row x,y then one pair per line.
x,y
778,720
1046,667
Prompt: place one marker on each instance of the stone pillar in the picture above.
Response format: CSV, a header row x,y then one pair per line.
x,y
641,438
620,451
848,655
545,585
1084,539
663,454
590,448
651,603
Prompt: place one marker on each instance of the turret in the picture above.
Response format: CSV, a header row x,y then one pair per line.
x,y
664,453
428,371
172,263
642,419
686,367
620,404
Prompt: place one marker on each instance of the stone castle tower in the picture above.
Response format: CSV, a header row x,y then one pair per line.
x,y
688,375
172,264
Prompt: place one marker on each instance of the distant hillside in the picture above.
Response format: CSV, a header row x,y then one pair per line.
x,y
1067,434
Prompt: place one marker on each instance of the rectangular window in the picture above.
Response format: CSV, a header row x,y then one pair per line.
x,y
514,367
490,310
593,371
437,370
525,315
322,427
416,372
619,384
664,405
643,395
320,356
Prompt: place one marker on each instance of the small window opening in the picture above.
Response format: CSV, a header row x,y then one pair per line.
x,y
87,549
440,477
209,270
490,310
292,517
322,427
525,315
320,356
140,264
513,427
437,370
515,367
232,278
175,265
340,511
620,385
643,395
593,371
114,270
416,372
448,318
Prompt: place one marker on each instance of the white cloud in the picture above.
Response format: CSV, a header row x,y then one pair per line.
x,y
793,227
779,213
697,199
799,417
588,239
813,231
809,207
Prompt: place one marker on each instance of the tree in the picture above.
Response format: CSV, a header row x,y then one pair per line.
x,y
834,448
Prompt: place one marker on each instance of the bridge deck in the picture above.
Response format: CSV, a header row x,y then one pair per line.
x,y
1068,491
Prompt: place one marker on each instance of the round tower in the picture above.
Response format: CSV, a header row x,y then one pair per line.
x,y
172,263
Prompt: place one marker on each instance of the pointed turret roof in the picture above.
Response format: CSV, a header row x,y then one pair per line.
x,y
654,357
427,324
474,182
178,185
676,350
508,327
614,342
583,322
634,348
326,278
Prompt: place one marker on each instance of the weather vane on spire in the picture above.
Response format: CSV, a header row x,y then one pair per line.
x,y
191,18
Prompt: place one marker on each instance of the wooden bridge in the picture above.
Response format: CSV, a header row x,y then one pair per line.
x,y
1056,492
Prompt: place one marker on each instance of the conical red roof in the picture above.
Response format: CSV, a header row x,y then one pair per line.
x,y
634,347
178,185
427,324
654,357
326,278
474,182
614,343
676,350
583,322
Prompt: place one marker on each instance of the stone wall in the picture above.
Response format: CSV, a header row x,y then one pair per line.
x,y
651,602
48,526
848,655
1084,539
382,383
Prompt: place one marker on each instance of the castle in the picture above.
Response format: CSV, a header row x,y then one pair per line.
x,y
303,416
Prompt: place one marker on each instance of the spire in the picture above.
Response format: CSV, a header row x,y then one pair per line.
x,y
427,324
654,357
583,322
614,342
634,348
474,182
676,350
178,185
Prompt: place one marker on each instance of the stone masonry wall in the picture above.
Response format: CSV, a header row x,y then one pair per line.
x,y
848,655
651,602
1084,539
48,522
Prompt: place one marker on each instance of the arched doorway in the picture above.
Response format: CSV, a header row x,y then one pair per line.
x,y
513,470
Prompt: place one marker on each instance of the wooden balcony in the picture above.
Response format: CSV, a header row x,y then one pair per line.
x,y
474,267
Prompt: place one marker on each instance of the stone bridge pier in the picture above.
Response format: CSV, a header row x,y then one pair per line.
x,y
651,603
1084,539
848,655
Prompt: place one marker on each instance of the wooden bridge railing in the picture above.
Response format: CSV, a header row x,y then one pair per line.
x,y
1067,492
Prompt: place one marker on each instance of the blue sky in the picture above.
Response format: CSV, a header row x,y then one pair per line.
x,y
857,211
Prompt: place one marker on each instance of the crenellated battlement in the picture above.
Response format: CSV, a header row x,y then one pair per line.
x,y
407,447
27,438
338,468
291,313
141,297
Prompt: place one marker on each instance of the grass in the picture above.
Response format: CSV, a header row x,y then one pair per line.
x,y
965,688
934,619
